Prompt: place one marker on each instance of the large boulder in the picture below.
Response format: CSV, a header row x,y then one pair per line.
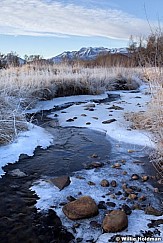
x,y
115,221
61,181
84,207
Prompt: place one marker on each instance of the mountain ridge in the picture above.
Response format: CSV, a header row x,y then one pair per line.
x,y
86,54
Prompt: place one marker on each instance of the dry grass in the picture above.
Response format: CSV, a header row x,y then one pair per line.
x,y
152,118
45,81
11,120
20,87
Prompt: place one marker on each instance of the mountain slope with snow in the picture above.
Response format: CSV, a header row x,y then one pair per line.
x,y
84,53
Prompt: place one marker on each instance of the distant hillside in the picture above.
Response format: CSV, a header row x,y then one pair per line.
x,y
86,54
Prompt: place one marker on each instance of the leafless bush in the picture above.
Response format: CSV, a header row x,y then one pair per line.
x,y
11,120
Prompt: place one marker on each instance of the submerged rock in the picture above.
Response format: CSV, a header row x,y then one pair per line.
x,y
115,221
84,207
17,173
94,165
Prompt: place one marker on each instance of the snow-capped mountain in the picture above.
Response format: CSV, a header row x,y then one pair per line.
x,y
84,53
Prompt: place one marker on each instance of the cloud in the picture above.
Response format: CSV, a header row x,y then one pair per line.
x,y
53,18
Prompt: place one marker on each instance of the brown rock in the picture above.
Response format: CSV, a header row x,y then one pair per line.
x,y
152,211
130,151
104,183
113,196
97,164
145,178
109,121
95,224
124,173
111,204
134,177
136,206
71,198
60,182
94,165
113,183
115,221
156,190
142,198
91,183
84,207
116,166
128,190
115,107
124,186
132,196
94,156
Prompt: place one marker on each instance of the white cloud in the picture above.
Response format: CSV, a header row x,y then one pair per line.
x,y
36,18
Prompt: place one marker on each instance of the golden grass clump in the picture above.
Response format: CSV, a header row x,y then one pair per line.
x,y
152,118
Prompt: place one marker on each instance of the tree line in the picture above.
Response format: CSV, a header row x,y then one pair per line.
x,y
143,52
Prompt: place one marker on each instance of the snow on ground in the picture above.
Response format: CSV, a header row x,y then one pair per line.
x,y
137,222
25,143
50,104
120,129
51,197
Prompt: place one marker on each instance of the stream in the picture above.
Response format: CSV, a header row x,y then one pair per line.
x,y
29,217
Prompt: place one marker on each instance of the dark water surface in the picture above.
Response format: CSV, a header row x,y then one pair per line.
x,y
19,220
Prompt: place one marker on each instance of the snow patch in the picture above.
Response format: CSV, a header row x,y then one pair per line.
x,y
25,144
93,119
51,197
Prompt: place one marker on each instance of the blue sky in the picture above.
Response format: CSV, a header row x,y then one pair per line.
x,y
49,27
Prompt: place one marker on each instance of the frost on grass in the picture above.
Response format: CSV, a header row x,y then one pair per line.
x,y
30,83
12,121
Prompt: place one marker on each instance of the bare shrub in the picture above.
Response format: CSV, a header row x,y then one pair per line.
x,y
11,120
